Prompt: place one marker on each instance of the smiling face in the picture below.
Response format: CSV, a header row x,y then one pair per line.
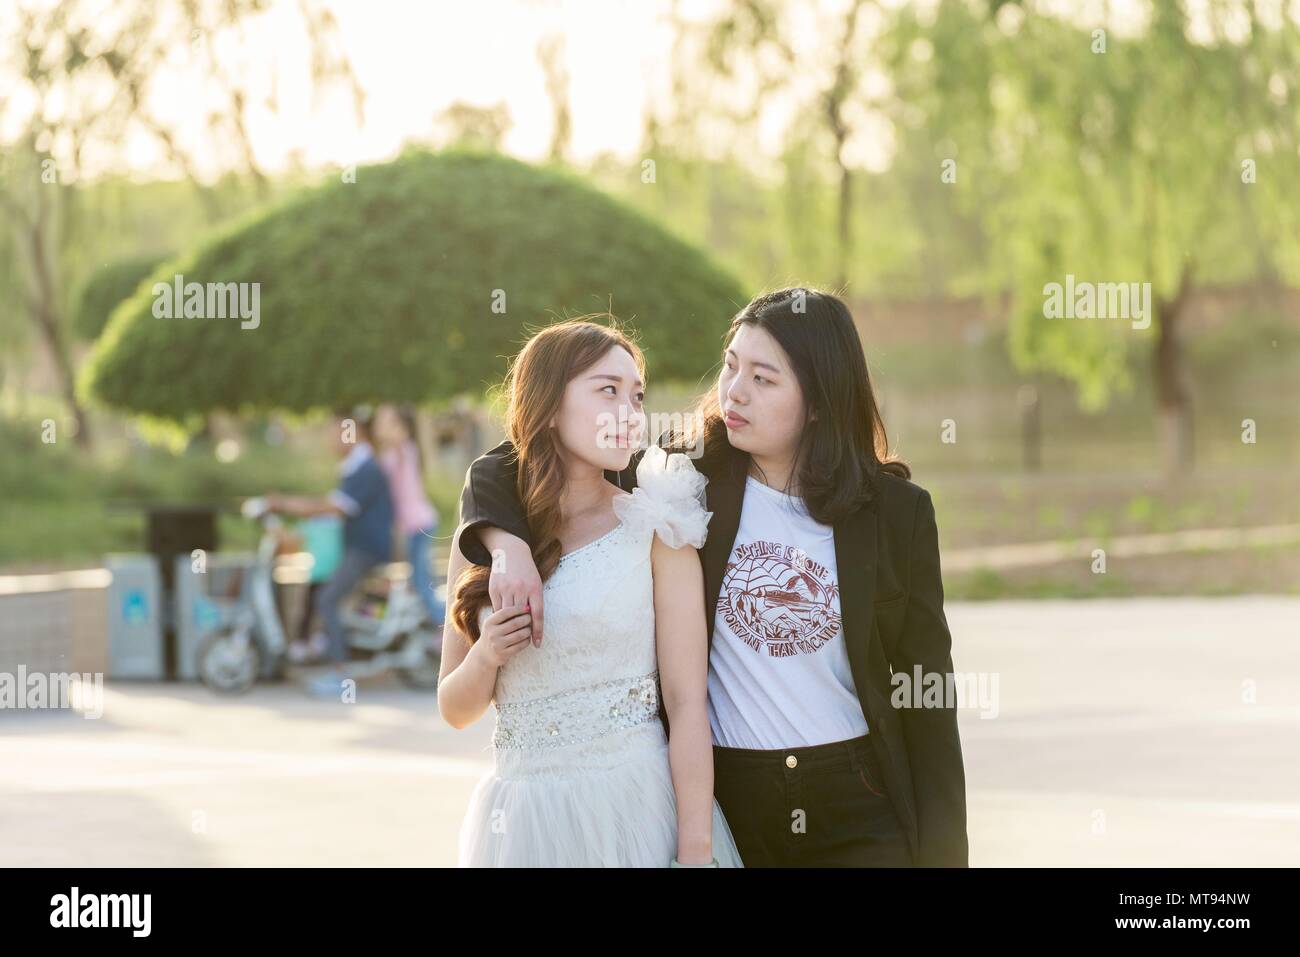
x,y
760,398
601,420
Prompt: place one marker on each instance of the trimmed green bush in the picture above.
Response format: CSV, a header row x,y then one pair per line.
x,y
107,286
384,288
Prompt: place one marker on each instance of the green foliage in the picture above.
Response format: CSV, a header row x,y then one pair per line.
x,y
107,286
383,289
59,504
1122,165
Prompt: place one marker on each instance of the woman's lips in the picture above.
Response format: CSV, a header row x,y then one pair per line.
x,y
735,421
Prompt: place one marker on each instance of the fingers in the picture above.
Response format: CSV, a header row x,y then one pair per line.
x,y
508,617
518,637
535,605
506,646
506,592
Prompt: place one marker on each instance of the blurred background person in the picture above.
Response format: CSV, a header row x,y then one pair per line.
x,y
320,536
365,501
417,519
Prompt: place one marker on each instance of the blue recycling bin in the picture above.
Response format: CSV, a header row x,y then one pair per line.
x,y
135,618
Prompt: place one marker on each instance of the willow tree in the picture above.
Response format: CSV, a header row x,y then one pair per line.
x,y
78,87
409,281
1164,155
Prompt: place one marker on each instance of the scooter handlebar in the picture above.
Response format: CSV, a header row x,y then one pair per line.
x,y
254,508
259,510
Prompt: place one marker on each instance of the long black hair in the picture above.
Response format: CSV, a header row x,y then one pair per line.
x,y
843,446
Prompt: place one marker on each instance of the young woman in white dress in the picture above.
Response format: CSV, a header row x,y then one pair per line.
x,y
584,774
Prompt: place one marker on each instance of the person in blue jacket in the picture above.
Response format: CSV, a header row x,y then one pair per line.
x,y
364,501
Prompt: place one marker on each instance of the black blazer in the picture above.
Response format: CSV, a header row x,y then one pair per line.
x,y
891,606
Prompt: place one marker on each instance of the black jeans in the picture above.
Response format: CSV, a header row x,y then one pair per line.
x,y
820,806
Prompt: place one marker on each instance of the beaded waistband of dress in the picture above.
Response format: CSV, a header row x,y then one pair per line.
x,y
579,714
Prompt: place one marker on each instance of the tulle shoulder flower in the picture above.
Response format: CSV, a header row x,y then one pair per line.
x,y
669,498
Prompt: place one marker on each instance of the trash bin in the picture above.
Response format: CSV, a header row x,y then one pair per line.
x,y
135,618
178,530
206,600
172,531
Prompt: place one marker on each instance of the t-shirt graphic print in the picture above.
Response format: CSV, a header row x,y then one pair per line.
x,y
778,601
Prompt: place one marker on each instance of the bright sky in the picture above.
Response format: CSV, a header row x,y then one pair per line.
x,y
413,58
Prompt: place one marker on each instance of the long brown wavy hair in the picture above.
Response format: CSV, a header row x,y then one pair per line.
x,y
535,387
844,447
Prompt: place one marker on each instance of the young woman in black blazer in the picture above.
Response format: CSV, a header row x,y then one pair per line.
x,y
825,601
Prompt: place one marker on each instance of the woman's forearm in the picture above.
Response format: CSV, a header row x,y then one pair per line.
x,y
304,506
490,497
495,539
464,695
690,757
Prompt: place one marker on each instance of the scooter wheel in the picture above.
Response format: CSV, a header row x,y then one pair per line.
x,y
229,661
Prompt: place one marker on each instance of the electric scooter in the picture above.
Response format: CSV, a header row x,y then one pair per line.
x,y
400,639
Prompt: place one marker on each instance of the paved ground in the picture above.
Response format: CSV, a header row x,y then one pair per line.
x,y
1124,734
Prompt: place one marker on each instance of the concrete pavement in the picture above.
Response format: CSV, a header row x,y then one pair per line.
x,y
1127,732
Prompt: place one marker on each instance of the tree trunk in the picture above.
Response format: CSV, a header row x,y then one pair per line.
x,y
1173,386
847,74
44,311
51,332
845,224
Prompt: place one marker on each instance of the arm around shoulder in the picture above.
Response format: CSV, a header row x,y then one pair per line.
x,y
490,499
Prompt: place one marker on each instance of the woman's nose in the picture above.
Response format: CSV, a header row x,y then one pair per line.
x,y
636,422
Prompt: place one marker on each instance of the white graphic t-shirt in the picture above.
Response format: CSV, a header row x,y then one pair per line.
x,y
779,667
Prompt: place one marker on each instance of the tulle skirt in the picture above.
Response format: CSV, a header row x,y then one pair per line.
x,y
603,803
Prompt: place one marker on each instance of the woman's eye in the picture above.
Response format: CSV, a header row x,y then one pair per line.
x,y
640,397
759,378
614,389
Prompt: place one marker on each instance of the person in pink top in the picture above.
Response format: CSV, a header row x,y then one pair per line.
x,y
417,519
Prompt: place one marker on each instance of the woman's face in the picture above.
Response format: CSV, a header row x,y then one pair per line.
x,y
760,398
388,428
601,420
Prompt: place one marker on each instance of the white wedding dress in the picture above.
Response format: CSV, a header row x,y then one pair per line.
x,y
581,775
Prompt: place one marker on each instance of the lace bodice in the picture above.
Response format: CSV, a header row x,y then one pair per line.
x,y
596,669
